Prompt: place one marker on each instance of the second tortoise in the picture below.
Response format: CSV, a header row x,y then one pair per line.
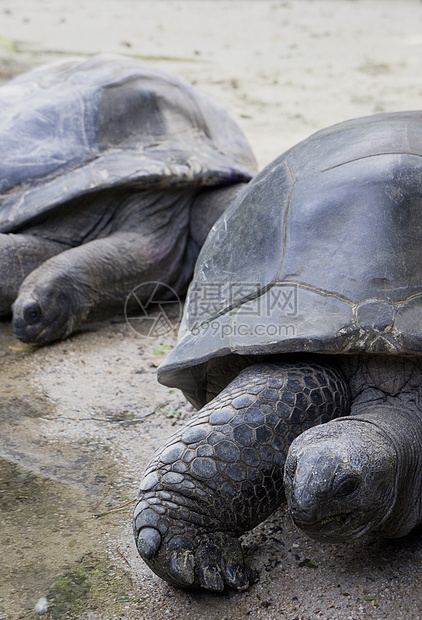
x,y
306,306
113,173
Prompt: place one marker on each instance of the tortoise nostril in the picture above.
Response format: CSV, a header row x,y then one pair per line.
x,y
32,313
301,509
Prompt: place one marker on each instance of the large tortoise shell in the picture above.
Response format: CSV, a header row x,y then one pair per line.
x,y
79,126
321,253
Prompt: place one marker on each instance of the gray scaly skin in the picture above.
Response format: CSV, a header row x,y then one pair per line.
x,y
223,473
57,288
19,255
362,475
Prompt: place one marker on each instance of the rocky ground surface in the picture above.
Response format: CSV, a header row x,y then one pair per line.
x,y
80,419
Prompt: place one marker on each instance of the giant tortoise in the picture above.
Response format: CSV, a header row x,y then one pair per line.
x,y
306,305
112,174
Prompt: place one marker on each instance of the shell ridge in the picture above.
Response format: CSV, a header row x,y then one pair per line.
x,y
355,159
286,214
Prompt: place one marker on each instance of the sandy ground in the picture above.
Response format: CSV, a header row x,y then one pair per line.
x,y
80,419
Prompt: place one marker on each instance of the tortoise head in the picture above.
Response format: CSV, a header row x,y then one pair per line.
x,y
41,315
341,480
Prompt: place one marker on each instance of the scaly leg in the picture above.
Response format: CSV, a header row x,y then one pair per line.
x,y
223,473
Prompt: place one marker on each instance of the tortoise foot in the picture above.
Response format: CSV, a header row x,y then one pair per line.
x,y
185,558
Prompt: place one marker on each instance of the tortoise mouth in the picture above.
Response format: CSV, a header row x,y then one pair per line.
x,y
333,528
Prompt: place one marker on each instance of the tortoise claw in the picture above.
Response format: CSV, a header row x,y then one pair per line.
x,y
149,542
208,559
181,567
210,577
220,561
239,577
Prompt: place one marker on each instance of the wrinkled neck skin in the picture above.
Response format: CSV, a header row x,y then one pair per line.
x,y
387,394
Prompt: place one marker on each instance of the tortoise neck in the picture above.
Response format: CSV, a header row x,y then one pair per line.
x,y
390,374
401,423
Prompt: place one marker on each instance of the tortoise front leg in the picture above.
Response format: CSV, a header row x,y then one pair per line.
x,y
223,473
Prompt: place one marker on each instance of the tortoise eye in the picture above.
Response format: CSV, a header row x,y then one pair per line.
x,y
346,487
32,313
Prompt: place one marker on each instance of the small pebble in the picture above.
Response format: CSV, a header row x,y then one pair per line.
x,y
42,606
